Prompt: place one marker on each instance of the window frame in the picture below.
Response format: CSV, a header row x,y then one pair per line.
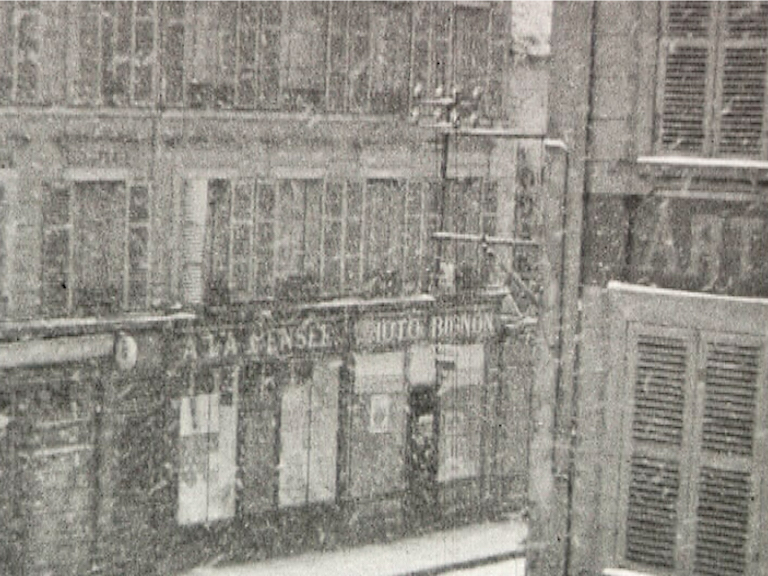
x,y
131,183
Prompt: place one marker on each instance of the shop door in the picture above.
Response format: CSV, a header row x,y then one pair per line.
x,y
421,501
57,474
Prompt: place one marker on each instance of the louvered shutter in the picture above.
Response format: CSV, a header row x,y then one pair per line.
x,y
732,372
743,57
659,372
687,63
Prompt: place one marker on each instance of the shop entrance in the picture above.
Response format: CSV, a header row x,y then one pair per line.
x,y
421,500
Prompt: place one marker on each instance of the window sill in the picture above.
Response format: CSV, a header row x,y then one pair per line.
x,y
715,168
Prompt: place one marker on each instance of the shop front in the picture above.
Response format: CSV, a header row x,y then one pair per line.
x,y
419,439
60,469
256,407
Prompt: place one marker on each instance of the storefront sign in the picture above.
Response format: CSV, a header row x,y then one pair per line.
x,y
707,246
462,325
456,325
258,341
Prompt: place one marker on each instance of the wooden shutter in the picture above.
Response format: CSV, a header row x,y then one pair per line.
x,y
57,249
687,61
726,488
659,373
742,63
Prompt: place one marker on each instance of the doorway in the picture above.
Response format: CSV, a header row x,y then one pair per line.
x,y
423,419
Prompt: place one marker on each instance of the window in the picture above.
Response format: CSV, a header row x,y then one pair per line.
x,y
96,247
21,30
347,57
470,209
116,52
690,491
713,63
303,238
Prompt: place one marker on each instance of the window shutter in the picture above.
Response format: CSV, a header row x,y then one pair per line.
x,y
688,60
732,370
57,249
138,245
743,60
660,376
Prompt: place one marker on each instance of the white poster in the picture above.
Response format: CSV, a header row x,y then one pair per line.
x,y
195,432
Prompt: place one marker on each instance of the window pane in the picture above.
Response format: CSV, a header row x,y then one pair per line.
x,y
472,27
391,50
173,52
360,53
306,66
249,28
28,45
99,256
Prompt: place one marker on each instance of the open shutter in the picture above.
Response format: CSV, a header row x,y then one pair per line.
x,y
726,487
659,372
687,55
743,60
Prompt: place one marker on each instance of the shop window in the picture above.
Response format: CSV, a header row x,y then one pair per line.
x,y
116,52
377,425
21,29
690,494
712,78
96,247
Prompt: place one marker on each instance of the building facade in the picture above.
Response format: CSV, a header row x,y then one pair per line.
x,y
224,331
654,397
